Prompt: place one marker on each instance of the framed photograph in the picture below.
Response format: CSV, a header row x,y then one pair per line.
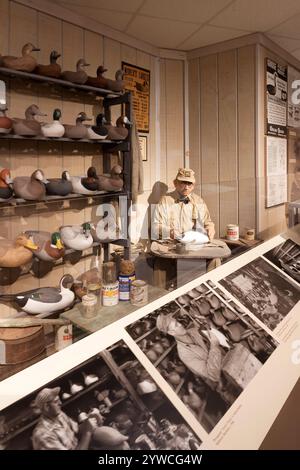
x,y
138,82
276,99
143,147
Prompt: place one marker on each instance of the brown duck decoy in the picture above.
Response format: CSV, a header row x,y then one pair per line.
x,y
99,81
218,318
229,314
235,331
51,70
26,63
78,131
86,184
30,188
118,84
214,301
28,126
118,132
203,307
114,182
5,122
80,76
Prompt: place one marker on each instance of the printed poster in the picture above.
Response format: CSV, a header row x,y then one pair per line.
x,y
276,91
138,82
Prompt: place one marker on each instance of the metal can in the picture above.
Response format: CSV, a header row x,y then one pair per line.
x,y
110,294
139,292
250,234
63,337
124,286
232,232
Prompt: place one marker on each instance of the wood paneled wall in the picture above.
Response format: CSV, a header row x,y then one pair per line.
x,y
222,134
21,24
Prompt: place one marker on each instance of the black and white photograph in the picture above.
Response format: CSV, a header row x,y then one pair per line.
x,y
265,291
286,256
207,350
109,402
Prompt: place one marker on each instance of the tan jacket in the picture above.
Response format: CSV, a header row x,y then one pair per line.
x,y
171,214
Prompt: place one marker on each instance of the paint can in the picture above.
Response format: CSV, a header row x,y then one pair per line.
x,y
110,294
139,292
232,232
125,281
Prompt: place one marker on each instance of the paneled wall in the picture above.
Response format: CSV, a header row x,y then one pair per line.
x,y
20,24
222,134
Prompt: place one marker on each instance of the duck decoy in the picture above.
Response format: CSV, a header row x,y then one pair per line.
x,y
118,84
28,126
54,129
99,81
77,237
213,300
99,131
86,184
75,388
14,254
49,246
6,191
118,132
114,182
44,300
30,188
26,63
59,186
80,76
51,70
78,131
89,379
5,122
229,314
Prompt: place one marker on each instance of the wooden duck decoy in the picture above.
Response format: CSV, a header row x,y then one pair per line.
x,y
118,132
49,246
28,126
80,76
5,122
99,81
86,184
114,182
59,186
30,188
99,131
44,300
118,84
51,70
77,237
54,129
6,191
26,63
14,254
78,131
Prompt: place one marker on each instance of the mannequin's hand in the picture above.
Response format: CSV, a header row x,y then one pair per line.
x,y
210,232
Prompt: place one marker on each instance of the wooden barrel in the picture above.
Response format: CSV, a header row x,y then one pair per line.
x,y
18,345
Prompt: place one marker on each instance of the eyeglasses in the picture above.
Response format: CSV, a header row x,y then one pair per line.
x,y
186,183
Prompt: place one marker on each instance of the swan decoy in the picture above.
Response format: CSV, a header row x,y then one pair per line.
x,y
99,81
55,128
5,122
118,84
86,184
80,76
78,131
51,70
114,182
14,254
118,132
28,126
6,191
44,300
49,247
59,186
77,237
30,188
26,63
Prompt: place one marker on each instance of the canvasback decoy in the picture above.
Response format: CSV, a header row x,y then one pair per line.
x,y
26,63
86,184
28,126
118,132
51,70
114,182
80,76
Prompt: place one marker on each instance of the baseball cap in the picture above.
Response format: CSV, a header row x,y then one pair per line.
x,y
186,174
45,395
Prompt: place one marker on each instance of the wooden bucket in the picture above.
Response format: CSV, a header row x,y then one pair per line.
x,y
18,345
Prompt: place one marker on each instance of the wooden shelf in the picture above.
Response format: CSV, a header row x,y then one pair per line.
x,y
40,138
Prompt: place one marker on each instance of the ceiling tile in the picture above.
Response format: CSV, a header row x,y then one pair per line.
x,y
286,43
159,32
257,15
289,29
210,35
113,19
115,5
196,11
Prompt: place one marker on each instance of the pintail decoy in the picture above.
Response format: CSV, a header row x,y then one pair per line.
x,y
49,246
14,254
114,182
118,84
30,188
80,76
6,191
51,70
28,126
118,132
99,81
44,300
26,63
5,122
54,129
59,186
86,184
78,131
77,237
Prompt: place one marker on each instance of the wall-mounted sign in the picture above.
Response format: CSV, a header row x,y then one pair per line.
x,y
276,99
138,82
143,147
276,171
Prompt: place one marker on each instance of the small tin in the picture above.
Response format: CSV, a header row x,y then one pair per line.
x,y
232,232
110,294
250,234
139,292
63,337
124,285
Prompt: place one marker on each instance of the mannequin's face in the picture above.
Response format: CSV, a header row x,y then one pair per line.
x,y
184,188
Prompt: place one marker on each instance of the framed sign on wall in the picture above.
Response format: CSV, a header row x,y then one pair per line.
x,y
143,147
137,81
276,99
276,171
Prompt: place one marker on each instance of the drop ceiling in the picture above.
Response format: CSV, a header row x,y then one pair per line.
x,y
189,24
